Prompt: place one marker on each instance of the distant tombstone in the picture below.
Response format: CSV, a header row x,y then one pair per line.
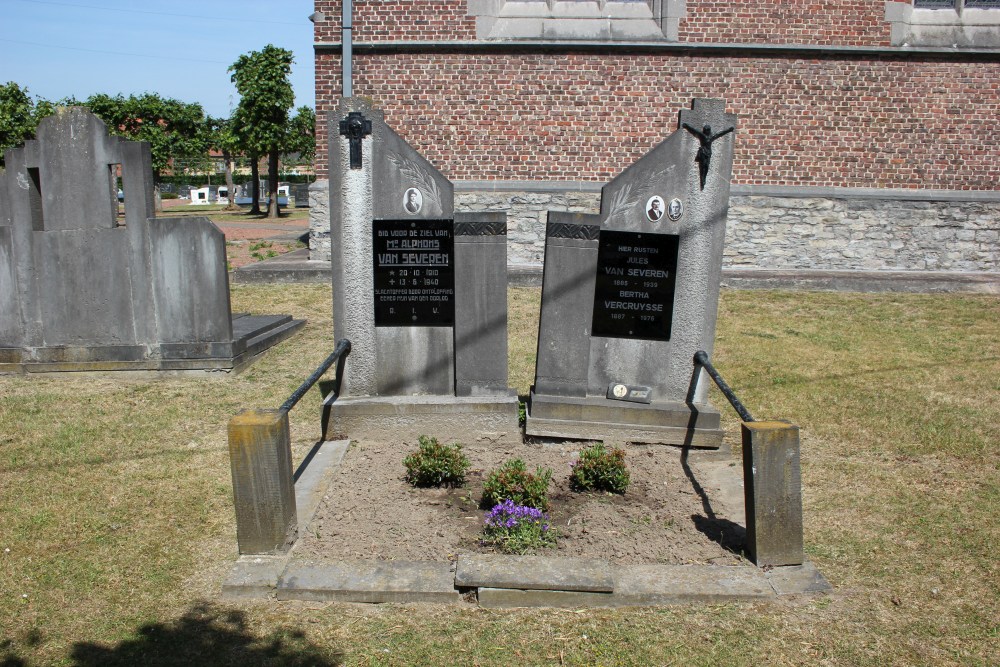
x,y
419,291
629,296
201,195
300,191
82,289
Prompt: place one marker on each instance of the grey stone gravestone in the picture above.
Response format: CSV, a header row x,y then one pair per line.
x,y
419,291
82,289
300,192
629,296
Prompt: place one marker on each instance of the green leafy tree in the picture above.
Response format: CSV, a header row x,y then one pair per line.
x,y
18,118
44,108
175,130
302,135
220,137
261,119
239,133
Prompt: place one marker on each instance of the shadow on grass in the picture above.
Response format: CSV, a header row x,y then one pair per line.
x,y
8,654
8,659
206,636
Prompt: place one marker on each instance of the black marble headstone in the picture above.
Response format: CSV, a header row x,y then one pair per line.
x,y
414,271
634,292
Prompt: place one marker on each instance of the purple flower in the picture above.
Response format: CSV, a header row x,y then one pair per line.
x,y
509,515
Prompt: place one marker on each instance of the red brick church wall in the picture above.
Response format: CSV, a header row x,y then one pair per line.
x,y
892,121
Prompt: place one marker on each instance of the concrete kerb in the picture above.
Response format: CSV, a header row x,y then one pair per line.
x,y
256,576
501,581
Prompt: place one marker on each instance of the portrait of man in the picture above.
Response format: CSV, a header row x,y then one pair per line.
x,y
675,209
654,208
413,200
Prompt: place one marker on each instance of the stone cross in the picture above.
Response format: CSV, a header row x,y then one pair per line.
x,y
355,127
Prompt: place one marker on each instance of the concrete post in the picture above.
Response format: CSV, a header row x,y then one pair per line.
x,y
773,489
481,299
263,489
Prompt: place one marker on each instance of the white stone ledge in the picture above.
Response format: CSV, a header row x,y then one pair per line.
x,y
647,46
793,191
895,194
559,20
969,28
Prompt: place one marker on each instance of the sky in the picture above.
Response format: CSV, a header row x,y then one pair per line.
x,y
176,48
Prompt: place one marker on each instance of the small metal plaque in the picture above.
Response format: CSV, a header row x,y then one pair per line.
x,y
414,271
634,394
634,291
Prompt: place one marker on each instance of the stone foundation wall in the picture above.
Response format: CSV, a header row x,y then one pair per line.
x,y
526,215
319,220
862,234
866,231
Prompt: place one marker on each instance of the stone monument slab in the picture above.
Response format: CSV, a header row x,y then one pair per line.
x,y
83,289
629,295
419,292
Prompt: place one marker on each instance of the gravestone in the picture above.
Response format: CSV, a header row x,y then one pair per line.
x,y
629,295
300,192
420,292
82,289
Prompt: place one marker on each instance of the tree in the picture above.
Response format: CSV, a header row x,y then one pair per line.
x,y
239,133
174,129
261,118
18,119
302,135
220,137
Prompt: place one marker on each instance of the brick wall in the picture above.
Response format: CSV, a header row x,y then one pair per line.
x,y
833,22
872,122
412,20
840,22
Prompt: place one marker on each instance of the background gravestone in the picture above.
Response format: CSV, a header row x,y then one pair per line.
x,y
81,289
420,292
300,192
629,295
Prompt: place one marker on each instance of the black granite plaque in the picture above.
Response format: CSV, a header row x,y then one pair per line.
x,y
634,293
414,269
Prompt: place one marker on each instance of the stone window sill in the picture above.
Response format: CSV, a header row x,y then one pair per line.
x,y
626,20
970,28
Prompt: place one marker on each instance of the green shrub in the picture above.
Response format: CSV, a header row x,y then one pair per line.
x,y
512,481
168,195
600,470
435,464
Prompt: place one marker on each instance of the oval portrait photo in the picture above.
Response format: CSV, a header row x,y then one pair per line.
x,y
412,200
675,209
654,208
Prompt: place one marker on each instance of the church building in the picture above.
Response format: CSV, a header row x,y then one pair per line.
x,y
866,137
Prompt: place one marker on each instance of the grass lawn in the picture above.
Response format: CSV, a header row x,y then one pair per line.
x,y
117,526
218,213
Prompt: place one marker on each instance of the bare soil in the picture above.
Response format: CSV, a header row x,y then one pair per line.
x,y
675,511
